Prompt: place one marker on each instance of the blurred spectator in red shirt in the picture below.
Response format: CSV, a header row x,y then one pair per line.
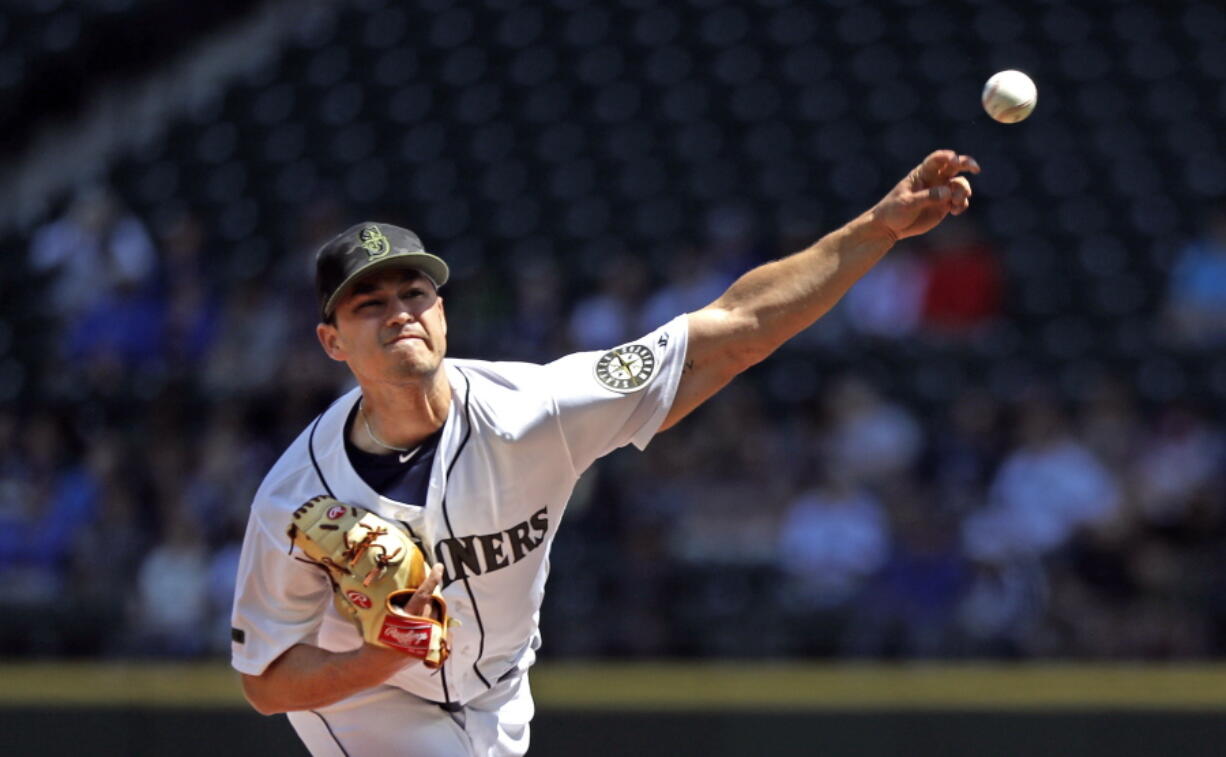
x,y
964,282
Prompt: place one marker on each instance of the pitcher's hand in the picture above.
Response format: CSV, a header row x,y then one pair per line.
x,y
933,190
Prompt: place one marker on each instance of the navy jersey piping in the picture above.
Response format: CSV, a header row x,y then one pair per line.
x,y
314,462
339,745
468,431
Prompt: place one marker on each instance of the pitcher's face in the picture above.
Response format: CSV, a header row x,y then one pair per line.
x,y
390,327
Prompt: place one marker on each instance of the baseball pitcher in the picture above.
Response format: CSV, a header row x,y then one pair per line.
x,y
395,559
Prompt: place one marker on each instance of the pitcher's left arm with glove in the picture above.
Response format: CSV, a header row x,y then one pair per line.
x,y
374,569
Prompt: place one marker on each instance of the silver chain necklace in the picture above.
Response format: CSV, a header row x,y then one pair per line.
x,y
371,433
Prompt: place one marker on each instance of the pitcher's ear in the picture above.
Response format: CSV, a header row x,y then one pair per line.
x,y
330,340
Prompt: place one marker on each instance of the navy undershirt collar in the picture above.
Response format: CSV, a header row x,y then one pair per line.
x,y
406,481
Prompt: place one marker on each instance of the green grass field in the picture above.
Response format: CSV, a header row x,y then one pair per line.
x,y
676,686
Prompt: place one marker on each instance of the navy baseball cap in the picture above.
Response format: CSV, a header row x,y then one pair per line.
x,y
367,247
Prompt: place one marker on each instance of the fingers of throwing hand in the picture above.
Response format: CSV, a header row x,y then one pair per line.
x,y
932,170
959,194
942,165
953,196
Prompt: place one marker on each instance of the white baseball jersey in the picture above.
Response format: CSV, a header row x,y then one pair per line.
x,y
515,441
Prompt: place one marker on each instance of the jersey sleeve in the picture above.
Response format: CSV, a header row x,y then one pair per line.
x,y
608,399
279,601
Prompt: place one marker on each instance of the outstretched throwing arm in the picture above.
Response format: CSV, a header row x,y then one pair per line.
x,y
773,302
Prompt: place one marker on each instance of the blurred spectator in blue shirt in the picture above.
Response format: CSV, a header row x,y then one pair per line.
x,y
170,609
1047,487
46,500
831,539
533,329
870,439
255,336
190,286
606,317
1184,457
94,250
910,606
1196,292
690,283
103,264
887,302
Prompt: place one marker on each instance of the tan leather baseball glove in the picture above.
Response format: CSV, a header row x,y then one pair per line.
x,y
374,568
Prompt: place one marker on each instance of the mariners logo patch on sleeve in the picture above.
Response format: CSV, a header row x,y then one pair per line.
x,y
627,368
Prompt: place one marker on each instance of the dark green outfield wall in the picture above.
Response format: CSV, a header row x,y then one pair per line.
x,y
80,732
672,710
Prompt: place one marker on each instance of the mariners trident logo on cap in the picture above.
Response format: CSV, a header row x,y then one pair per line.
x,y
374,242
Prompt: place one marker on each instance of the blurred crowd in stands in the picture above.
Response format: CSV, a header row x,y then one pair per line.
x,y
821,506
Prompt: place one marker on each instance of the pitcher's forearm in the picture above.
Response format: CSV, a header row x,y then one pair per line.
x,y
777,300
307,677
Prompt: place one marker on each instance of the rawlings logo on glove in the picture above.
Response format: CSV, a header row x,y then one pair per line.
x,y
404,638
375,570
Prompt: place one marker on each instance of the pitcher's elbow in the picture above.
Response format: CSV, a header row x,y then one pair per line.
x,y
741,355
257,697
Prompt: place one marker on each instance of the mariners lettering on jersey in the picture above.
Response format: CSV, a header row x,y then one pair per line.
x,y
627,368
477,554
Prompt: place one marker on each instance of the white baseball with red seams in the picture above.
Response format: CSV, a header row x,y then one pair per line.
x,y
1010,96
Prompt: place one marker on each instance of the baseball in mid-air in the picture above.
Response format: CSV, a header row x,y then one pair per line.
x,y
1010,96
